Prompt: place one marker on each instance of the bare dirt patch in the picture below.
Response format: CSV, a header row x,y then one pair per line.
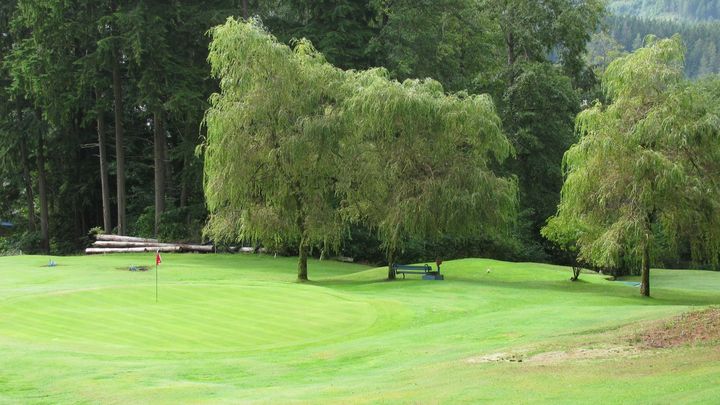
x,y
583,354
688,329
555,356
496,358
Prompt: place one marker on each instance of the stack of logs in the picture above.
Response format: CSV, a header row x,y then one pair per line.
x,y
129,244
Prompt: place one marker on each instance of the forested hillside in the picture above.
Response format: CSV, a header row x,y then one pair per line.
x,y
691,10
702,40
630,21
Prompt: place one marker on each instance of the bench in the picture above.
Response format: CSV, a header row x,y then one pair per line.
x,y
427,271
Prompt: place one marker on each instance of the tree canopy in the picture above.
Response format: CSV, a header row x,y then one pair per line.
x,y
270,156
642,167
296,148
424,161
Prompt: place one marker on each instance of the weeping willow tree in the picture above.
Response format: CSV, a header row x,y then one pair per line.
x,y
645,165
270,161
422,161
297,148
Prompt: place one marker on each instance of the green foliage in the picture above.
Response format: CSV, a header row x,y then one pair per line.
x,y
341,30
644,163
177,224
57,59
702,40
450,41
424,161
362,244
527,54
321,146
543,43
270,155
55,81
540,106
602,50
532,30
19,243
691,119
692,10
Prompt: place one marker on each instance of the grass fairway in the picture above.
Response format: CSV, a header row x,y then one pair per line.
x,y
234,328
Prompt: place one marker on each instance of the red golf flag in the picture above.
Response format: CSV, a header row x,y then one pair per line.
x,y
158,259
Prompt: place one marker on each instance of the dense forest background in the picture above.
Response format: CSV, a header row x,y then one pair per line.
x,y
102,102
678,10
698,21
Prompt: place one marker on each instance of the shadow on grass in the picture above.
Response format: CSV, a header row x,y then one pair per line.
x,y
602,290
660,296
341,282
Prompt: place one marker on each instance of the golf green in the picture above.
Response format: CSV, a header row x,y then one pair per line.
x,y
202,317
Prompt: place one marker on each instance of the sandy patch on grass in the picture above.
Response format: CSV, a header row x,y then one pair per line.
x,y
555,356
583,354
495,358
688,329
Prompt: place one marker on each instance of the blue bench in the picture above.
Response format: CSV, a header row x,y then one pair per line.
x,y
427,271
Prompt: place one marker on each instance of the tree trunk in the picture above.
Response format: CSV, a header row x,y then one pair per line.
x,y
104,180
645,275
303,248
42,187
302,260
83,220
183,188
29,196
183,176
159,152
245,9
119,145
510,43
576,273
74,172
324,250
391,261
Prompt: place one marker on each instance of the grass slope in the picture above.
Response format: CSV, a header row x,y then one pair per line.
x,y
236,328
